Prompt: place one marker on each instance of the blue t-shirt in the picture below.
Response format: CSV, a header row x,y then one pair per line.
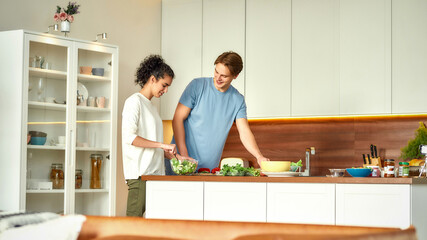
x,y
211,117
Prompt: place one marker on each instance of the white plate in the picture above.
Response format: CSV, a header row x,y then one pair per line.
x,y
282,174
82,90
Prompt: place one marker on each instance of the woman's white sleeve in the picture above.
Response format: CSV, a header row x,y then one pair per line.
x,y
130,119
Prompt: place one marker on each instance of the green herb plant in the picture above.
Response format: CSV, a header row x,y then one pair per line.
x,y
238,170
412,150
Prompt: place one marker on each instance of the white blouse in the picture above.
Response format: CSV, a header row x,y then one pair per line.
x,y
140,118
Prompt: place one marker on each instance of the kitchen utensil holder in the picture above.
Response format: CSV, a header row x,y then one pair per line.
x,y
374,162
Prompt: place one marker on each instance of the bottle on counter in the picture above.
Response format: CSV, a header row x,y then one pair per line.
x,y
376,172
403,169
389,168
57,176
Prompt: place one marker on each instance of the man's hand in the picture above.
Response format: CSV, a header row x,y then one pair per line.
x,y
261,159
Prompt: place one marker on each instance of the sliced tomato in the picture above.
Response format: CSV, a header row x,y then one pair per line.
x,y
204,170
216,170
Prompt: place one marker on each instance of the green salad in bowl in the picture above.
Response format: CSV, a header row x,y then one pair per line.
x,y
183,167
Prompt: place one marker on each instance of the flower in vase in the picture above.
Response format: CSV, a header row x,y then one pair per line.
x,y
63,16
66,14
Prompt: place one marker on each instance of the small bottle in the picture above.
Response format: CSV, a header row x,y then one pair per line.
x,y
57,176
389,168
376,172
95,178
403,169
79,178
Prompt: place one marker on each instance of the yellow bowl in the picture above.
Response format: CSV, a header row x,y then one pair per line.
x,y
275,166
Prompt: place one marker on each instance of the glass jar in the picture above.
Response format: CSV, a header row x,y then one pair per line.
x,y
376,172
79,178
96,163
57,176
389,168
403,169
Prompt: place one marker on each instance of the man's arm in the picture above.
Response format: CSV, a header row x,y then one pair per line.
x,y
181,113
248,140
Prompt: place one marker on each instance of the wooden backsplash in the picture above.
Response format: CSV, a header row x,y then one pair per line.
x,y
339,141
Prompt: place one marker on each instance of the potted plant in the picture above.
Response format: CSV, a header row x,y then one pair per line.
x,y
65,15
412,150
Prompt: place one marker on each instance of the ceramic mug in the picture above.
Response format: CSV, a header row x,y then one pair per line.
x,y
91,101
50,99
61,139
100,102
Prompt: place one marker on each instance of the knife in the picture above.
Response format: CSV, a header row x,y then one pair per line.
x,y
372,151
375,151
369,159
364,159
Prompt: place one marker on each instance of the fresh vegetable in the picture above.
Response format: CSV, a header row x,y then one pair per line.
x,y
238,170
183,167
204,170
299,163
215,170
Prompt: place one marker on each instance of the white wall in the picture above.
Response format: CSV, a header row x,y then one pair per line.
x,y
133,25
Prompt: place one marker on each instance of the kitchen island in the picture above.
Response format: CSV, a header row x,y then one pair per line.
x,y
374,202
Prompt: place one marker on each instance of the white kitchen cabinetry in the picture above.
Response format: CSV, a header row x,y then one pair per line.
x,y
28,89
268,58
365,56
174,200
308,203
409,60
235,201
315,57
377,205
223,30
181,48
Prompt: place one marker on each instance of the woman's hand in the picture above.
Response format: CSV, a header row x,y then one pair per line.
x,y
169,148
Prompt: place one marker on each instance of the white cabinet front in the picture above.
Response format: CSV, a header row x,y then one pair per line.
x,y
310,203
268,58
174,200
315,62
378,205
235,201
181,48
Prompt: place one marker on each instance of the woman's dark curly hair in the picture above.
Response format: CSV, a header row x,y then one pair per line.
x,y
152,65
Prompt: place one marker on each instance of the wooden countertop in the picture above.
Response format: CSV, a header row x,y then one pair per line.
x,y
350,180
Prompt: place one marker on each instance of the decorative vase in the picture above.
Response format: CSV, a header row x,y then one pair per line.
x,y
65,26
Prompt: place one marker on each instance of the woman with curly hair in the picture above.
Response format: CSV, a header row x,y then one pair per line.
x,y
142,131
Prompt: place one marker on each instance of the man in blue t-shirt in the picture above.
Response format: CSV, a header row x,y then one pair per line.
x,y
205,113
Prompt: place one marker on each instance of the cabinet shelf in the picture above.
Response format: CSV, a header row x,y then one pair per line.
x,y
91,109
62,191
47,106
48,147
92,78
47,73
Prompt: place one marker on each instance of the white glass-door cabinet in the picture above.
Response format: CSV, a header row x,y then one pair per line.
x,y
72,169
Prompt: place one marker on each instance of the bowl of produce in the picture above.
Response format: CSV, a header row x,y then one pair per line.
x,y
296,166
183,167
275,166
337,172
359,172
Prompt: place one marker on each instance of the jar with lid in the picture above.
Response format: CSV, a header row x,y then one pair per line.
x,y
57,176
389,168
376,172
79,178
403,169
95,178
